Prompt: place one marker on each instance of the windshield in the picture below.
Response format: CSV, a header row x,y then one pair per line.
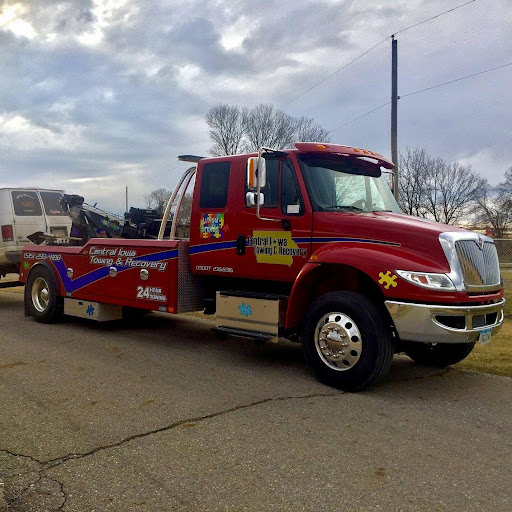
x,y
340,183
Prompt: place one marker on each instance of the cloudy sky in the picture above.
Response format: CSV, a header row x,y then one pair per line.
x,y
99,94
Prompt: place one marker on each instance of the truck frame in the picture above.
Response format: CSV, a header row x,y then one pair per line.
x,y
306,244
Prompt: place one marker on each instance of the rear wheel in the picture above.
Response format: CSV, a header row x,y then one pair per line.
x,y
41,296
346,341
438,354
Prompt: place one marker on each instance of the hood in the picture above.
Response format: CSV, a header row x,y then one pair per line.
x,y
410,234
409,229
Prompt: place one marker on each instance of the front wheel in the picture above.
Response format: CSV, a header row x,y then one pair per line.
x,y
438,354
346,341
41,296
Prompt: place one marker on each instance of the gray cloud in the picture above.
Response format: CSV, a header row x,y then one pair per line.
x,y
106,96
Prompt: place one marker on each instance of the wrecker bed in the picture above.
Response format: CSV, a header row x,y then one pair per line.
x,y
145,274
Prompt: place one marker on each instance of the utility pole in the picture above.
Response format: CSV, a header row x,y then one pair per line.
x,y
394,107
126,198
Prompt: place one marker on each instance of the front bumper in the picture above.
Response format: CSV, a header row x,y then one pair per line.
x,y
444,323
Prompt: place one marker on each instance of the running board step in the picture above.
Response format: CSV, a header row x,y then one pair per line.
x,y
245,333
253,295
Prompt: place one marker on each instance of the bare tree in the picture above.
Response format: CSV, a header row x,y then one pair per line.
x,y
185,210
495,211
226,129
157,199
495,206
431,187
234,129
505,187
266,126
452,191
308,130
414,164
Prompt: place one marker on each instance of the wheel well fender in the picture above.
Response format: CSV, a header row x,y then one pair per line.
x,y
316,280
50,269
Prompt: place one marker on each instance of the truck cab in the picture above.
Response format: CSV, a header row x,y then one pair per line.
x,y
306,243
328,234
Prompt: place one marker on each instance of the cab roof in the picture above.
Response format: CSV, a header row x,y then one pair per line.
x,y
310,147
323,147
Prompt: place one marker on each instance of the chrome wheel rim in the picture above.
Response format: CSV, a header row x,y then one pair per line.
x,y
40,294
338,341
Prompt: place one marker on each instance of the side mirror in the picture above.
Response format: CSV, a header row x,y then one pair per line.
x,y
251,199
256,174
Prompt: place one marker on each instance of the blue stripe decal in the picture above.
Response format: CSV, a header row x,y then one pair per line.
x,y
345,239
356,240
71,285
218,246
212,247
159,256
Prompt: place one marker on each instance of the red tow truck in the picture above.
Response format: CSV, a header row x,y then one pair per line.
x,y
307,244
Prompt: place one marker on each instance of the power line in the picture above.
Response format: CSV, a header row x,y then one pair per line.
x,y
417,92
334,72
359,117
456,80
434,17
368,51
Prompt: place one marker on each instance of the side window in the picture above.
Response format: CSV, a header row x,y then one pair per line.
x,y
26,203
271,188
291,201
51,203
214,185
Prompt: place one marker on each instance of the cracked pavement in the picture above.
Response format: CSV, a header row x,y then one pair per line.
x,y
160,415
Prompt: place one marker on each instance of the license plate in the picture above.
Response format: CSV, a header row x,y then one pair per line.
x,y
485,336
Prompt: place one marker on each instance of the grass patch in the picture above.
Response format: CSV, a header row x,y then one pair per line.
x,y
507,279
496,356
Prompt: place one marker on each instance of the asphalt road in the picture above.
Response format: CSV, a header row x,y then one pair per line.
x,y
159,415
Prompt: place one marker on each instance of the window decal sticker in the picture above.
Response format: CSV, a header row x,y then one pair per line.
x,y
212,225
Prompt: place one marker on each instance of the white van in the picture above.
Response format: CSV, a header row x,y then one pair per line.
x,y
24,211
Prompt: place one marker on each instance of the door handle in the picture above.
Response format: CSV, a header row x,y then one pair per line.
x,y
240,245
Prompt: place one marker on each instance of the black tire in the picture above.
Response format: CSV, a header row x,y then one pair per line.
x,y
42,298
365,360
438,355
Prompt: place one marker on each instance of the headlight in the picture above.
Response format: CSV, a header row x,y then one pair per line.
x,y
427,280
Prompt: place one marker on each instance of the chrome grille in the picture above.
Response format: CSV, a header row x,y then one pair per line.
x,y
480,267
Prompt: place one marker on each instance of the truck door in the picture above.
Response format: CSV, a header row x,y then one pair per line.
x,y
276,249
213,244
